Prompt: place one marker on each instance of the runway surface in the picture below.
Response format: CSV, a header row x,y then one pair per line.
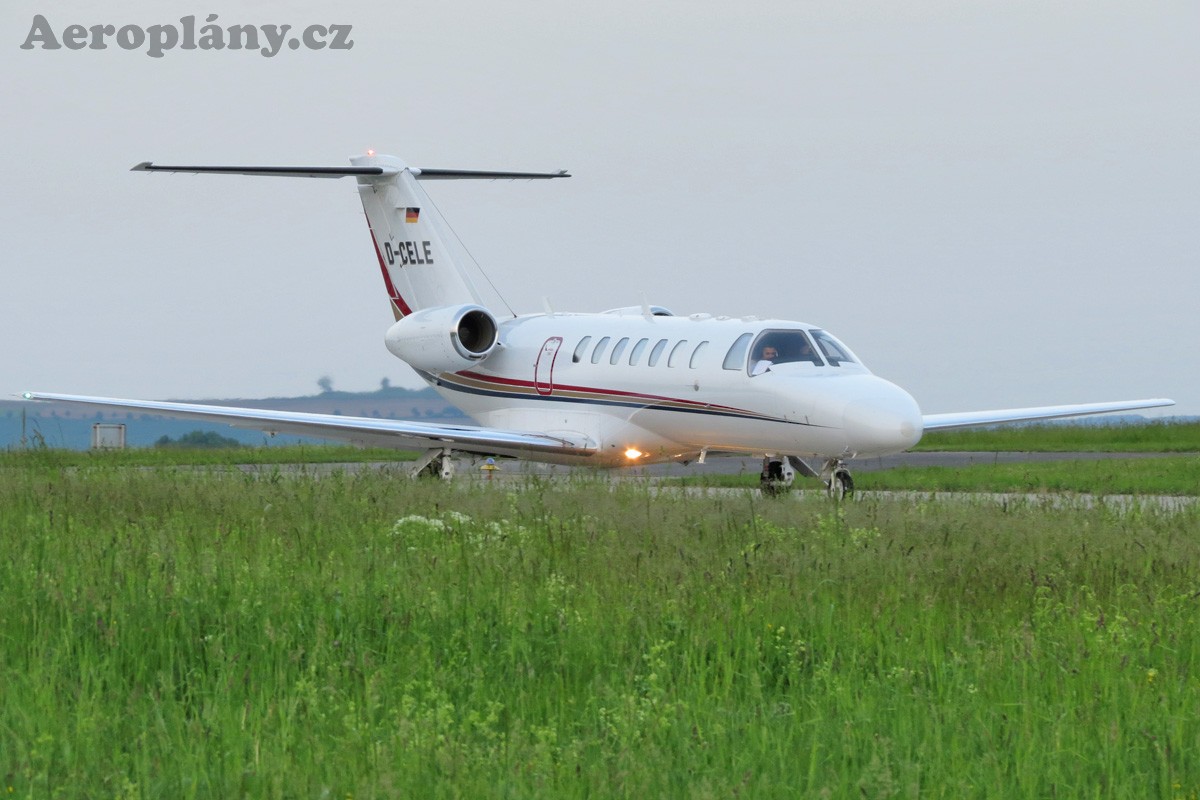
x,y
721,466
514,473
736,466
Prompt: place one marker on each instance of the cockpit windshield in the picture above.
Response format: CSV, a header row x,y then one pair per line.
x,y
782,347
787,347
834,351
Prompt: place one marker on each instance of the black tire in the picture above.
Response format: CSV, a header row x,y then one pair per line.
x,y
841,484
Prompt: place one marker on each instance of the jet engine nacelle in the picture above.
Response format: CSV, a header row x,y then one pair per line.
x,y
446,339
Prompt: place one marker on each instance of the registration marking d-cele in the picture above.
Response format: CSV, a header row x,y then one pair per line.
x,y
408,252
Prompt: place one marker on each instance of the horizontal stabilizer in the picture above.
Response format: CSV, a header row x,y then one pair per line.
x,y
974,419
468,174
283,172
354,171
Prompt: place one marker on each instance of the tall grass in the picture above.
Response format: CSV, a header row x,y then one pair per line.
x,y
191,635
1165,475
1168,475
1151,437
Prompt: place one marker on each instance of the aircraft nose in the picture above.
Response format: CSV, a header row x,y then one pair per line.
x,y
889,421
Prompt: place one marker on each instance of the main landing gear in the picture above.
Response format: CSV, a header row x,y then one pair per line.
x,y
778,473
436,463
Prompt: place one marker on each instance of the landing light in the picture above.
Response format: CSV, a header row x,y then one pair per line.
x,y
371,151
633,453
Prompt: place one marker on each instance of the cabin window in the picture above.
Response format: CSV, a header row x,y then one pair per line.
x,y
781,347
620,348
834,351
736,357
598,353
656,352
700,348
579,348
676,353
636,352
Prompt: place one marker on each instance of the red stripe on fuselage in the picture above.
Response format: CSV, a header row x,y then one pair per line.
x,y
559,387
387,279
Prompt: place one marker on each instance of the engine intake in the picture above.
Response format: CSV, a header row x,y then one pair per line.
x,y
446,339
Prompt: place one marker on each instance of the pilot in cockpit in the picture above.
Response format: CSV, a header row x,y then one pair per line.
x,y
766,357
783,347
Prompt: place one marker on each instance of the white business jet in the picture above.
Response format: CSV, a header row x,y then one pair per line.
x,y
625,387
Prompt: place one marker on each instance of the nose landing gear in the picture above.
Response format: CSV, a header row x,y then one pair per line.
x,y
839,483
778,473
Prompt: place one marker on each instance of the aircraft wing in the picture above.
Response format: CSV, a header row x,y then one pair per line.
x,y
972,419
397,434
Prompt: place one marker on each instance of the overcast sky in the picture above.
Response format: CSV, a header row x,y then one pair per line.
x,y
993,203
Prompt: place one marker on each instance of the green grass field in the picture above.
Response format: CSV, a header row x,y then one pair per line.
x,y
1167,475
1171,475
192,634
1155,437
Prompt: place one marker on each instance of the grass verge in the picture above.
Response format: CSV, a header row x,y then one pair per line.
x,y
1155,437
177,633
1169,475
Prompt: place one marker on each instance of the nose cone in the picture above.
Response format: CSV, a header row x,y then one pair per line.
x,y
885,421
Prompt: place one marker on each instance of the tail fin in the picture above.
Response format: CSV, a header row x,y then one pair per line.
x,y
422,265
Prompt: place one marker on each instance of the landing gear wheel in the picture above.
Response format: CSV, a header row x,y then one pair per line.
x,y
841,484
837,479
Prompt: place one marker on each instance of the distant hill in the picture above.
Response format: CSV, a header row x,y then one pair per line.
x,y
68,426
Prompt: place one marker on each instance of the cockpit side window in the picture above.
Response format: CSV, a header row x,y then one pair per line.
x,y
834,351
736,357
781,347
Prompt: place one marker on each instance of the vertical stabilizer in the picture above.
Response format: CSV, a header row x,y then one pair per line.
x,y
416,249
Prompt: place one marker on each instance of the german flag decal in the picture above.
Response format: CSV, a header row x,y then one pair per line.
x,y
411,214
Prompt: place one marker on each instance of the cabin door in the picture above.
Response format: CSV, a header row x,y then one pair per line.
x,y
543,370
